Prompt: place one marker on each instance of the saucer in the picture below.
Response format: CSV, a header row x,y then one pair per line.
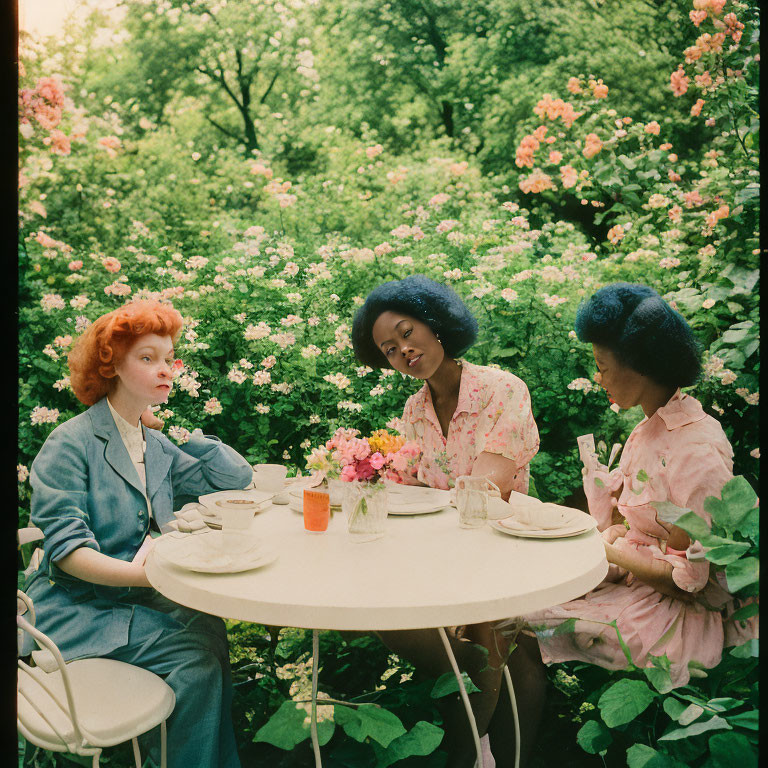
x,y
209,554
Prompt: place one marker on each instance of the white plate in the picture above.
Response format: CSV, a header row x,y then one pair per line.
x,y
581,524
207,554
414,508
259,497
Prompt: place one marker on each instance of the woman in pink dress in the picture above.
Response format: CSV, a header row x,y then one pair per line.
x,y
467,419
659,588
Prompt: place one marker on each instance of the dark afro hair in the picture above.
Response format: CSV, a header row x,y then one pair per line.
x,y
419,297
642,331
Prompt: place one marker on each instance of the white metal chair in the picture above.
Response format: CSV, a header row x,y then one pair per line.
x,y
82,706
27,536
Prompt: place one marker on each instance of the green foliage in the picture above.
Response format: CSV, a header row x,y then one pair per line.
x,y
259,162
694,724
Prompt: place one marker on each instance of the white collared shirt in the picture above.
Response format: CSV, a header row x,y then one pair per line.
x,y
133,439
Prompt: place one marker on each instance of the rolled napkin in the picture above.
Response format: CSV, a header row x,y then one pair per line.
x,y
544,517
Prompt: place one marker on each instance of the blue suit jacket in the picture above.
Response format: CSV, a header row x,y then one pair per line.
x,y
86,492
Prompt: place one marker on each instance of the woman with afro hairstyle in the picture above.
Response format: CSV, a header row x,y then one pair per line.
x,y
467,419
659,589
100,483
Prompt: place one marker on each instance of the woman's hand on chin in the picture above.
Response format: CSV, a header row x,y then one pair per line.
x,y
148,419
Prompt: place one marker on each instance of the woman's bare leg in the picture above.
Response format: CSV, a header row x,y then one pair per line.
x,y
424,649
529,681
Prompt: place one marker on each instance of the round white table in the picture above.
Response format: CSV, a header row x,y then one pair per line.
x,y
426,572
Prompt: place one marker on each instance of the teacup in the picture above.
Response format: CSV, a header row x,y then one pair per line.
x,y
235,521
269,477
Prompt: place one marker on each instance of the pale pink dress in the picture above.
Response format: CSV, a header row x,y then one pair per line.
x,y
687,457
493,414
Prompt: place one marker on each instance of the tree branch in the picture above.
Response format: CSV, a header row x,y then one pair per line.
x,y
269,87
223,129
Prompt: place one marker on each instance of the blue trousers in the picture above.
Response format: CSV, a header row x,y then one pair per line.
x,y
190,651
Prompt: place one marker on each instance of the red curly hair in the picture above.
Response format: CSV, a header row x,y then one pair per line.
x,y
104,343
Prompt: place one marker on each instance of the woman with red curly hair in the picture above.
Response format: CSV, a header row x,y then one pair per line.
x,y
100,483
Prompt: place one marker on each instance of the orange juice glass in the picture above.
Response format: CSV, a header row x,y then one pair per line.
x,y
317,511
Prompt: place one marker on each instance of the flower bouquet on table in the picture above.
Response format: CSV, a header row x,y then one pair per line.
x,y
363,463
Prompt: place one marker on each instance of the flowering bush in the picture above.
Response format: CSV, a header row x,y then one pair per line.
x,y
128,187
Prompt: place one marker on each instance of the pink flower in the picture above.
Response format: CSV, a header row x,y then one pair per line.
x,y
678,81
348,473
573,85
111,144
592,145
599,89
675,214
60,143
653,127
696,108
697,17
371,152
365,470
615,234
111,264
692,199
555,156
568,176
399,462
704,80
75,265
377,460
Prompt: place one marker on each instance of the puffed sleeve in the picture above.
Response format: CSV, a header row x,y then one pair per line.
x,y
204,464
694,474
59,480
513,432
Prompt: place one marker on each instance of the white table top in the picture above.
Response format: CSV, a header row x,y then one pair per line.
x,y
425,572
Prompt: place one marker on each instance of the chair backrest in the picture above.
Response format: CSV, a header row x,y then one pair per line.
x,y
32,686
28,534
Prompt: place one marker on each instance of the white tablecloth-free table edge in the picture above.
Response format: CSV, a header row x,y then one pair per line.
x,y
406,580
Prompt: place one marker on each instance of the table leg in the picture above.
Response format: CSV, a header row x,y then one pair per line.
x,y
464,696
513,702
313,718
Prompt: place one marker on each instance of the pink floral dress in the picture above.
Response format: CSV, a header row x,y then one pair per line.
x,y
686,457
493,414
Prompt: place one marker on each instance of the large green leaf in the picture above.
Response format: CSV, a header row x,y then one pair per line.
x,y
749,720
658,675
286,728
742,573
732,510
642,756
594,737
447,683
748,650
624,701
373,722
693,525
673,707
669,512
701,726
423,739
726,551
729,749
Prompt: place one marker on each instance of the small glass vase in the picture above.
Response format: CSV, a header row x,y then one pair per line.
x,y
336,490
365,507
